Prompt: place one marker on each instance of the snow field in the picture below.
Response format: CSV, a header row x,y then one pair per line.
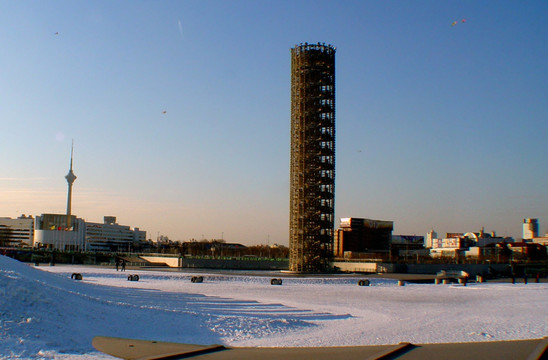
x,y
45,314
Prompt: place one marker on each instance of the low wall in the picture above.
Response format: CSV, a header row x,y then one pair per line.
x,y
392,268
430,269
219,263
235,264
472,269
348,266
169,261
345,266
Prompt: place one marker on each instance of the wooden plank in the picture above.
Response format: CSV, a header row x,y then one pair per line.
x,y
533,349
391,351
149,350
541,351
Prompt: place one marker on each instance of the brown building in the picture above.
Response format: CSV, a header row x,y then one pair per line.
x,y
357,235
527,250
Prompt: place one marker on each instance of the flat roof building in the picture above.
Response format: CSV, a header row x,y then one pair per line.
x,y
17,232
109,236
530,228
358,235
51,232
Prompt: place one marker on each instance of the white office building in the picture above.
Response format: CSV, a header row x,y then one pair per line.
x,y
17,232
109,236
430,236
51,232
530,228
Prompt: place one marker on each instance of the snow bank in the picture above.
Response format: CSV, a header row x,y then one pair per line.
x,y
46,314
40,311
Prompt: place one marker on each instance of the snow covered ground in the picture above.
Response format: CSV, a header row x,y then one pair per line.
x,y
45,314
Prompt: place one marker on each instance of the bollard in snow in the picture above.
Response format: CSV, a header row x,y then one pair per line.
x,y
401,283
133,277
276,282
197,279
76,276
364,282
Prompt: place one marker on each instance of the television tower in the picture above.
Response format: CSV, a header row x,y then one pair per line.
x,y
312,179
70,180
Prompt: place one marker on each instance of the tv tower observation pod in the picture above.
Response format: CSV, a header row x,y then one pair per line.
x,y
312,169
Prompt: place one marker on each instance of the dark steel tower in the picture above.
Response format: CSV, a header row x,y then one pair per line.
x,y
312,173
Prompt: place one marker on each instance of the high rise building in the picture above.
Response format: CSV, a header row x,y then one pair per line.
x,y
530,228
312,169
430,236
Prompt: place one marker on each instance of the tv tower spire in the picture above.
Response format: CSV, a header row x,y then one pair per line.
x,y
70,179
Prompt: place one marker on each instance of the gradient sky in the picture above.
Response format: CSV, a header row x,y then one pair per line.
x,y
437,125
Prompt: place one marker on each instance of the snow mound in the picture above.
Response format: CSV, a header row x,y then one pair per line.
x,y
42,312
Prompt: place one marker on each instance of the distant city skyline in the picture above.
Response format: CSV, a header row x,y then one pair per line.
x,y
180,113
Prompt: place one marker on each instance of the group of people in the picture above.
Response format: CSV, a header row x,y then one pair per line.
x,y
120,263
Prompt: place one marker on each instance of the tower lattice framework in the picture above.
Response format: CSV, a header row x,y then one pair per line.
x,y
312,173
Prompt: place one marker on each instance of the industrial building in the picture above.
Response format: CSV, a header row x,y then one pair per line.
x,y
312,167
357,236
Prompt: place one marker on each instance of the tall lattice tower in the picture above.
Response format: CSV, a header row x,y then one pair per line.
x,y
312,173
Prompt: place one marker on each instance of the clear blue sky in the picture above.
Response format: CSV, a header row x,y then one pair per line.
x,y
437,125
